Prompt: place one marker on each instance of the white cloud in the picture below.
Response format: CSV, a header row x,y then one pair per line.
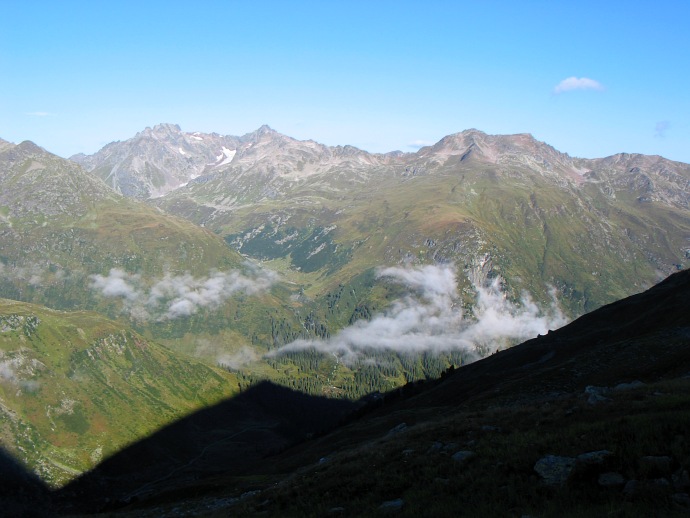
x,y
41,114
34,274
661,128
8,370
239,359
175,296
577,83
430,320
118,283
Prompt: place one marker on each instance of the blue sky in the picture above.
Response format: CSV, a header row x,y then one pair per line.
x,y
380,75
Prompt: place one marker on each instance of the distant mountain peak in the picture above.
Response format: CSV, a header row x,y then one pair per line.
x,y
265,131
30,147
167,127
160,130
265,128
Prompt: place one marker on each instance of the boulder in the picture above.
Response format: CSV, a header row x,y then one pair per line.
x,y
596,394
656,465
462,456
397,429
555,470
628,386
392,505
611,479
593,458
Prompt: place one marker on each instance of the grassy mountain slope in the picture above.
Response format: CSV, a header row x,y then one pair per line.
x,y
169,279
69,242
612,382
75,387
504,206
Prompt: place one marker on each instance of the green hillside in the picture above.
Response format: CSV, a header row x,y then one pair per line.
x,y
76,387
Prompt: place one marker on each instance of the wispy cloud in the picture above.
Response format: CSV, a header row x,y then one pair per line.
x,y
11,368
8,370
418,144
577,83
118,283
239,359
41,114
661,128
176,296
429,319
33,274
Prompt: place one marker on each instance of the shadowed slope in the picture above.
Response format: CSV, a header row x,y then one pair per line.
x,y
227,438
510,410
21,493
611,345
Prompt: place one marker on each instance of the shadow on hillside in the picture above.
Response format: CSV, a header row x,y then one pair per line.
x,y
226,439
645,337
21,492
642,337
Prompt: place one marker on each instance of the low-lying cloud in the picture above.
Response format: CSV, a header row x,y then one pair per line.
x,y
176,296
430,319
8,371
239,359
118,283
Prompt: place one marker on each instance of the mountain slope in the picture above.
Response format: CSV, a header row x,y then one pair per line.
x,y
504,205
70,242
613,382
164,158
228,437
76,387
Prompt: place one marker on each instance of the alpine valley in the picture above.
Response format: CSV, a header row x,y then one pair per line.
x,y
169,272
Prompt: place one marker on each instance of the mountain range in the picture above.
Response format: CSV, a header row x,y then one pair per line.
x,y
173,258
593,228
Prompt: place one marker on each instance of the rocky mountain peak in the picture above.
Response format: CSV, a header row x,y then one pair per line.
x,y
520,150
17,153
35,181
265,129
5,145
28,147
161,130
263,134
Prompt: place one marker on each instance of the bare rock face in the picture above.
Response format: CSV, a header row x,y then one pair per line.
x,y
161,159
158,160
265,164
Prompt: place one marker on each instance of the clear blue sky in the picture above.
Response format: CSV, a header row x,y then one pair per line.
x,y
380,75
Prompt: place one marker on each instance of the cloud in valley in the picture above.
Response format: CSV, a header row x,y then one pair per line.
x,y
429,319
8,370
176,296
118,283
35,274
238,359
577,83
